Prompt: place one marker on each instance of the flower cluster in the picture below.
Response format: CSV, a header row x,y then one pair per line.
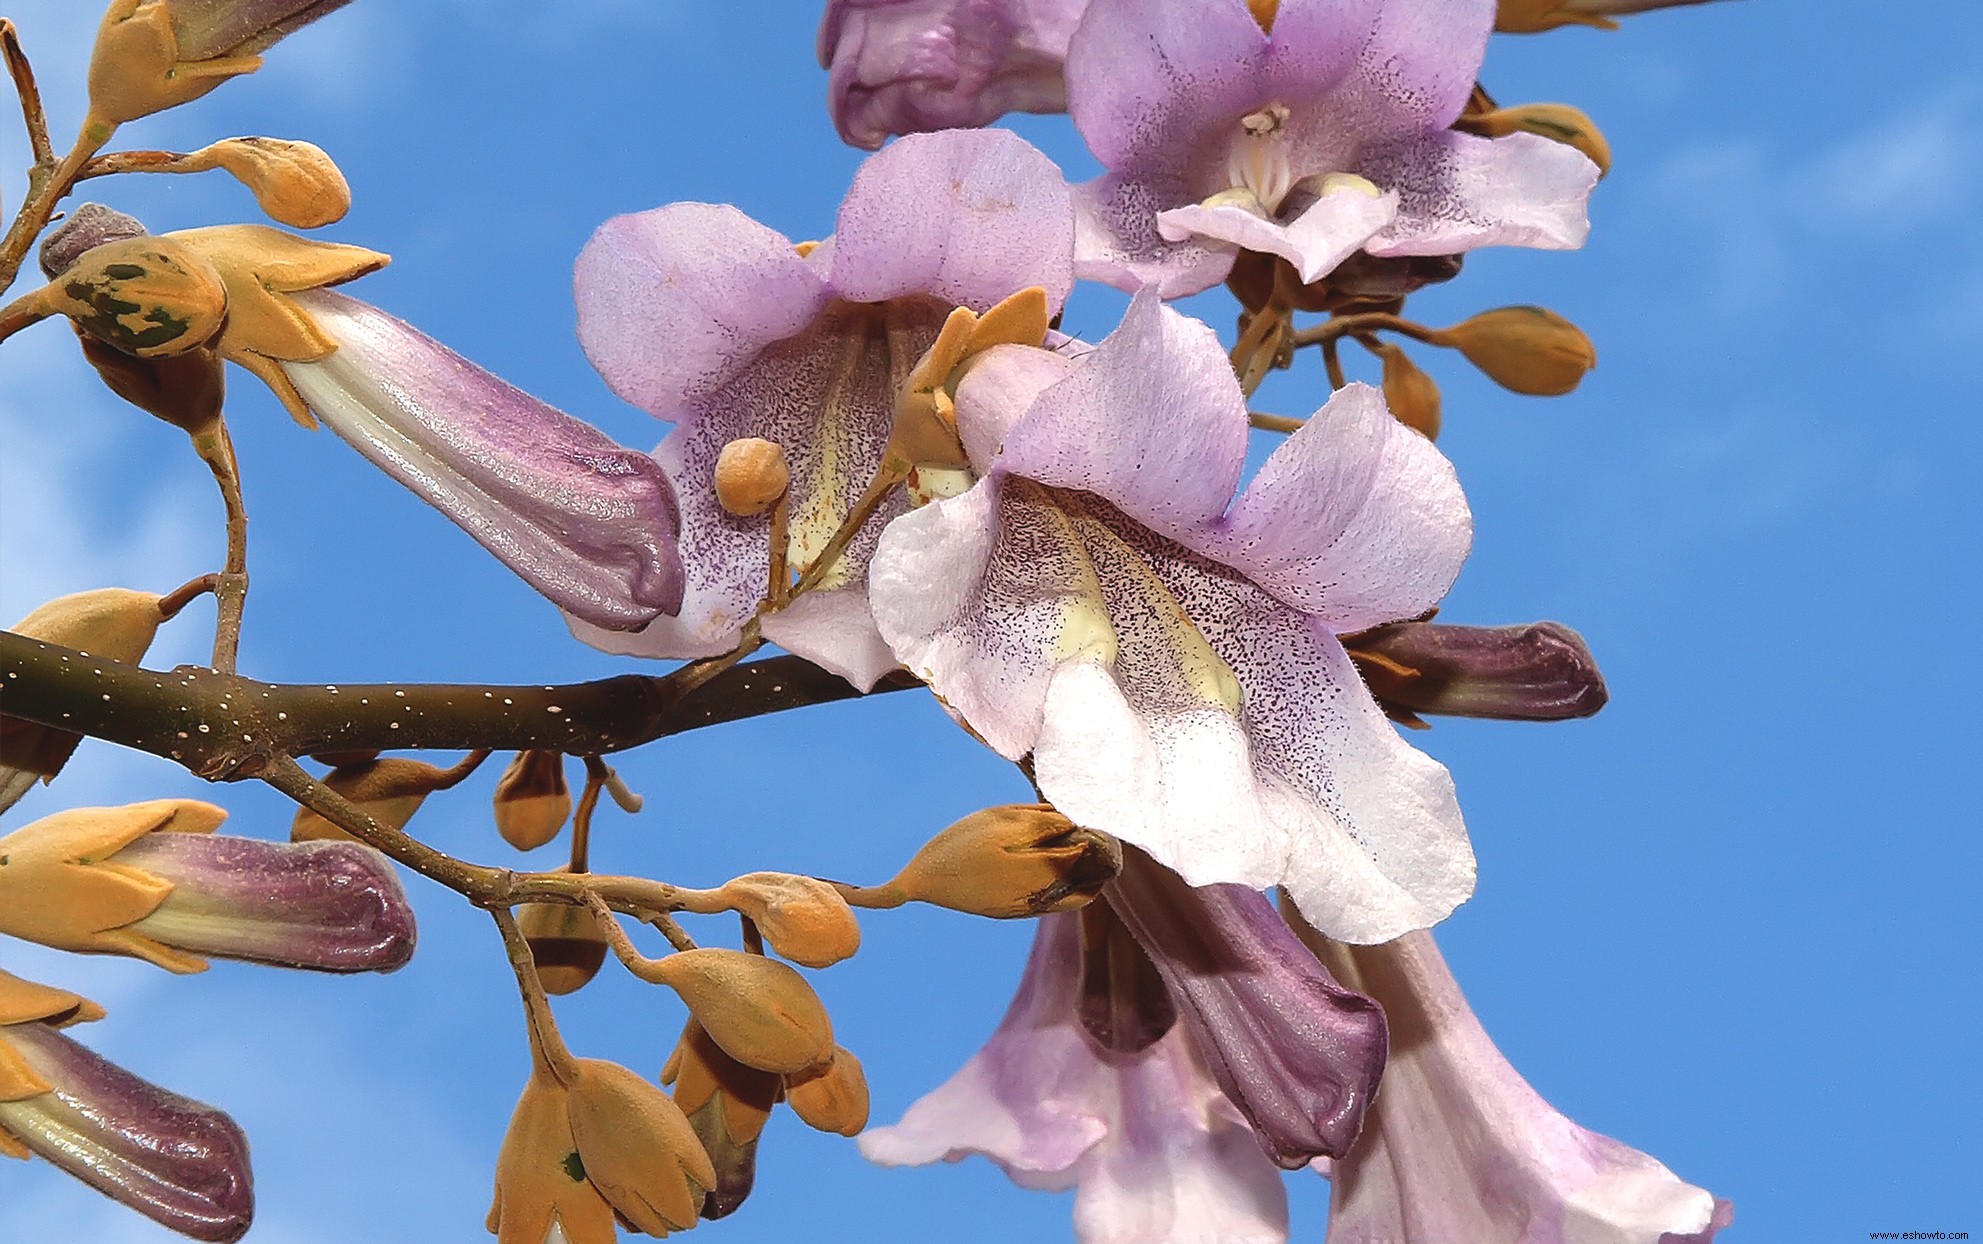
x,y
888,458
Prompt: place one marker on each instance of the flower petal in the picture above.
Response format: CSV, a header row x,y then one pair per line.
x,y
906,66
834,630
966,216
1149,80
1459,1147
1331,229
586,522
1460,191
672,302
1117,242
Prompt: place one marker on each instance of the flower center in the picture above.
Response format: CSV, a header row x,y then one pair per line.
x,y
1258,161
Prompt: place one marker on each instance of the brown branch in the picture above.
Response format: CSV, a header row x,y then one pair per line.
x,y
24,85
224,727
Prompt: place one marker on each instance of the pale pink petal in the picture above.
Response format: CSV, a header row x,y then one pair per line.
x,y
1459,191
1459,1147
1147,80
674,301
836,631
1355,519
1116,241
1331,229
965,216
997,390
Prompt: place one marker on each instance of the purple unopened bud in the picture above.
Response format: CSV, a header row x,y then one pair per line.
x,y
209,28
329,906
178,1162
88,227
1297,1053
587,522
1539,672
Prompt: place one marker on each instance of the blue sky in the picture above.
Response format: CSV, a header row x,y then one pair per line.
x,y
1731,921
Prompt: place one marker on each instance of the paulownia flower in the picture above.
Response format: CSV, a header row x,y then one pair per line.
x,y
1167,652
153,881
585,521
1459,1147
178,1162
1138,1127
907,66
1322,138
721,326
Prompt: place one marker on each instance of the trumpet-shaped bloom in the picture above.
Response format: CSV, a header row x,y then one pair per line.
x,y
721,326
1156,1152
907,66
1459,1147
1325,137
588,523
1168,652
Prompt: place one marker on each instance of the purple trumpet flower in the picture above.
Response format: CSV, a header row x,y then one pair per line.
x,y
327,906
590,524
180,1163
1326,135
909,66
1297,1053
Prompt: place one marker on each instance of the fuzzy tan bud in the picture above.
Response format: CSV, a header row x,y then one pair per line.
x,y
113,622
148,297
1557,122
1011,862
391,790
296,183
566,943
638,1148
1412,395
761,1012
1534,16
1529,350
833,1098
804,919
532,800
136,68
751,475
727,1104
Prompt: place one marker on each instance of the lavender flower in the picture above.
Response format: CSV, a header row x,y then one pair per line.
x,y
1322,138
1167,653
1153,1149
907,66
1540,672
1459,1147
586,522
806,348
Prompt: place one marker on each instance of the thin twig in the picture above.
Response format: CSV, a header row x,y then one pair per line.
x,y
230,591
547,1046
46,186
185,594
1332,359
132,162
24,85
1344,325
1274,423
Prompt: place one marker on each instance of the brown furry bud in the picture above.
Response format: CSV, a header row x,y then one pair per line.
x,y
760,1011
804,919
565,941
1412,395
1530,350
750,476
532,800
833,1098
148,297
1011,862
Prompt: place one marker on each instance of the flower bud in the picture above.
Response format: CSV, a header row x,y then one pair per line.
x,y
1532,16
1412,395
207,28
296,183
532,801
761,1012
391,790
1529,350
1010,862
137,67
566,943
1539,672
1557,122
751,475
182,1164
727,1105
148,297
638,1149
833,1098
147,880
110,622
804,919
88,227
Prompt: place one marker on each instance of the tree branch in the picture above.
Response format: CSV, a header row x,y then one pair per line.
x,y
224,727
